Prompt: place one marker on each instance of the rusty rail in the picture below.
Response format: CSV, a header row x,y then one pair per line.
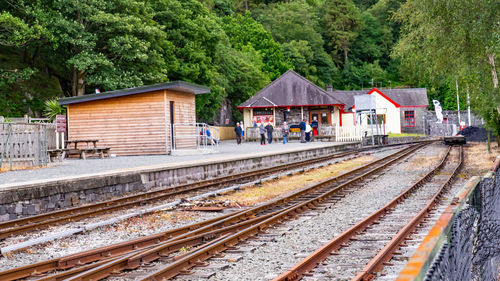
x,y
198,256
386,254
302,268
27,224
147,242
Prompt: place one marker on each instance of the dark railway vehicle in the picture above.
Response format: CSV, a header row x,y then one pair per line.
x,y
454,140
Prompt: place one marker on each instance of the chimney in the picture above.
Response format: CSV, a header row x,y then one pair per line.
x,y
329,88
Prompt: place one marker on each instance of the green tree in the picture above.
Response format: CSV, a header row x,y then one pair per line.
x,y
456,39
298,21
244,31
106,44
341,22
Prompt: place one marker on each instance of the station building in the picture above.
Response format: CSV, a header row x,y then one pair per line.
x,y
292,98
399,110
136,121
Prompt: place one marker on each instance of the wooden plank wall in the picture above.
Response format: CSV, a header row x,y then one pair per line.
x,y
129,125
184,113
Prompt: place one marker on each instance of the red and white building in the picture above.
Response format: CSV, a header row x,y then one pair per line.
x,y
293,98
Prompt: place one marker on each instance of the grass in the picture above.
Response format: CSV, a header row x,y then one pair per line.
x,y
274,189
478,160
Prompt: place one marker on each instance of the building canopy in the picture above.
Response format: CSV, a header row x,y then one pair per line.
x,y
290,89
179,86
412,97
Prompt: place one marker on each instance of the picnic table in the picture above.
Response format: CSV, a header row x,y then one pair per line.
x,y
76,142
71,148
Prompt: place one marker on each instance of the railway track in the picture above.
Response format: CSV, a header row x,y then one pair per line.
x,y
366,248
288,210
41,221
208,235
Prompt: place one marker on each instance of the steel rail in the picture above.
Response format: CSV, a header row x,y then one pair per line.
x,y
81,258
302,268
206,233
122,248
36,222
198,256
377,263
162,250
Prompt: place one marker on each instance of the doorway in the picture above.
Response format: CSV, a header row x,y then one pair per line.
x,y
172,124
323,116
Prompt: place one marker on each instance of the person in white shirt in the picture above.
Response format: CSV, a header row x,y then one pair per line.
x,y
308,131
242,130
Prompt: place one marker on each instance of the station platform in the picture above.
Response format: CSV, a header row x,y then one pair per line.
x,y
71,168
74,181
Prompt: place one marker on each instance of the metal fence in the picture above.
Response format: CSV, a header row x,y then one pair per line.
x,y
23,145
199,136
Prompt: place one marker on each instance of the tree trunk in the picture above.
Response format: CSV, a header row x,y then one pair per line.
x,y
78,81
224,113
346,51
81,83
494,77
74,83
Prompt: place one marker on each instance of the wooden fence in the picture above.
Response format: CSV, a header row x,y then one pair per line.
x,y
226,133
25,144
348,134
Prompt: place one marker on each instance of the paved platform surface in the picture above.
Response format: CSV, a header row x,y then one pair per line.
x,y
80,168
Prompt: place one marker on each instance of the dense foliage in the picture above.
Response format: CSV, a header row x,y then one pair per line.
x,y
55,48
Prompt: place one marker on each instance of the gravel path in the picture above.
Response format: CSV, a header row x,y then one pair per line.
x,y
309,232
77,167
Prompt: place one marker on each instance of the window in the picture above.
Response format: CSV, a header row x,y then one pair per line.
x,y
380,119
409,118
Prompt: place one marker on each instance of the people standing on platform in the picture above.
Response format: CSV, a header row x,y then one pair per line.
x,y
269,130
285,130
262,132
308,132
237,131
242,130
315,126
303,131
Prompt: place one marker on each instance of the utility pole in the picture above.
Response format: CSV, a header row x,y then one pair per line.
x,y
458,104
468,106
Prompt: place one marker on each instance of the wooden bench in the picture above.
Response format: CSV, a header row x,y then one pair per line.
x,y
89,151
57,153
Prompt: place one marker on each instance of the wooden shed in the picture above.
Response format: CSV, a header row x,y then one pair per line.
x,y
136,121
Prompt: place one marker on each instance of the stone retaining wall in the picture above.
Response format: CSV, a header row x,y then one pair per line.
x,y
33,199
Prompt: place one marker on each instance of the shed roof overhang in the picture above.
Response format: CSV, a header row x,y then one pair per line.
x,y
179,86
292,105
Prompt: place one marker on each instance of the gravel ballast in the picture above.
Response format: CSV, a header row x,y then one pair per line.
x,y
106,235
294,240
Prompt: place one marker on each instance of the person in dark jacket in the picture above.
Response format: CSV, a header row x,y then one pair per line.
x,y
303,131
237,131
269,129
262,132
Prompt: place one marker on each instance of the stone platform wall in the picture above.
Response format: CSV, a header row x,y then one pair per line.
x,y
33,199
